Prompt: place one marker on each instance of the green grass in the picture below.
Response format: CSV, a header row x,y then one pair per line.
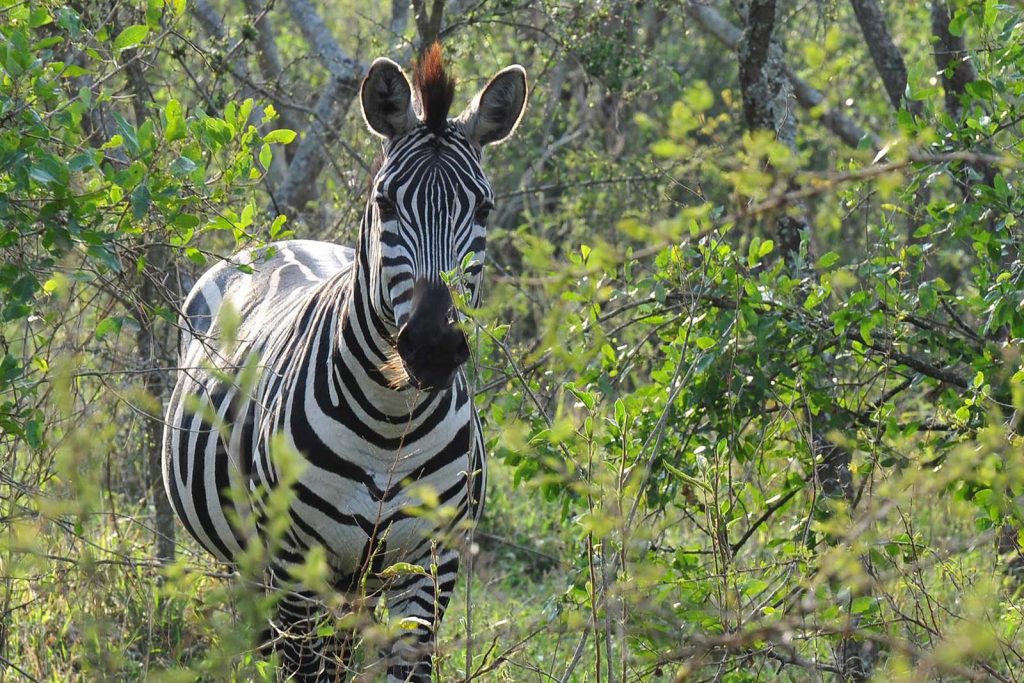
x,y
84,601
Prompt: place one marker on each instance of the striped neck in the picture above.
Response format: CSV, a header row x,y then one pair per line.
x,y
366,351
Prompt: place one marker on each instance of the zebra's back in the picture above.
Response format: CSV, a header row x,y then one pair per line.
x,y
290,270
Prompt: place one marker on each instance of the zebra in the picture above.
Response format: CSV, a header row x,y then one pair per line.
x,y
354,363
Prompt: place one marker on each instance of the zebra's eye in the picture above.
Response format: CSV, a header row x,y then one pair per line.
x,y
388,210
482,212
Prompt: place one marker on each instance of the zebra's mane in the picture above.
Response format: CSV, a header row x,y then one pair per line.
x,y
435,88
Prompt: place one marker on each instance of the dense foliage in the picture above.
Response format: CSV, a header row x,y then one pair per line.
x,y
752,387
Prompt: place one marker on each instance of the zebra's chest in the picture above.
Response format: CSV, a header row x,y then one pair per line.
x,y
383,495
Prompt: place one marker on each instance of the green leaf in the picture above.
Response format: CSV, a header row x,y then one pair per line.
x,y
814,54
402,568
175,127
82,161
956,24
927,297
275,227
827,261
980,89
131,36
101,254
583,396
865,603
182,166
195,256
39,17
128,132
107,327
865,331
41,175
34,433
281,135
699,96
245,220
113,143
705,343
1001,186
73,71
991,10
140,199
692,481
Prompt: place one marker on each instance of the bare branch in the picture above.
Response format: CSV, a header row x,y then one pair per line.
x,y
884,52
267,55
835,120
299,185
209,18
809,97
322,41
428,23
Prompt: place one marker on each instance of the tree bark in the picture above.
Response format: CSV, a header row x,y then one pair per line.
x,y
153,357
152,354
951,59
345,73
884,53
428,22
213,25
957,71
767,95
267,55
767,105
269,60
399,18
807,96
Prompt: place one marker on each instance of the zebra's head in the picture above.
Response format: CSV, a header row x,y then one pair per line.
x,y
429,204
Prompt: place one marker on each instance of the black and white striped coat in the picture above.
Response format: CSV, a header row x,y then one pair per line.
x,y
351,361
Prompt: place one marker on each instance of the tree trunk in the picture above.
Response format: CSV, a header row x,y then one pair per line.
x,y
957,71
887,57
951,59
152,354
848,130
155,382
299,185
767,105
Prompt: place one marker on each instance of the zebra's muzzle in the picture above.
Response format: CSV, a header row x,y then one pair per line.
x,y
431,345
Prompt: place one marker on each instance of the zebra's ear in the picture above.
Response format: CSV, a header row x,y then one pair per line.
x,y
387,99
497,109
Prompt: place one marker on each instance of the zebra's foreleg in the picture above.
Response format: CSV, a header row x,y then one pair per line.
x,y
416,605
305,655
